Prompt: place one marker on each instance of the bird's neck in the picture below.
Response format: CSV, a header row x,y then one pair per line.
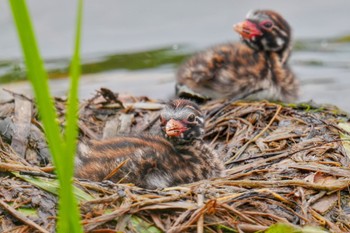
x,y
282,55
285,54
187,144
196,148
277,60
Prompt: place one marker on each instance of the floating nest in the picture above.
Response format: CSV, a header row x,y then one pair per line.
x,y
285,164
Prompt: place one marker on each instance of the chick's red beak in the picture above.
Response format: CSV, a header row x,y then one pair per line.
x,y
174,128
247,29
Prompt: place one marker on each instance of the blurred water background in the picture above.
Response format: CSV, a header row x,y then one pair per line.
x,y
135,46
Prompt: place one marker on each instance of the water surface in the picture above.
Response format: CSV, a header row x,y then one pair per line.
x,y
135,47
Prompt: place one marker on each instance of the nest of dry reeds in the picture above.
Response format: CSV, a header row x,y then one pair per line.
x,y
286,164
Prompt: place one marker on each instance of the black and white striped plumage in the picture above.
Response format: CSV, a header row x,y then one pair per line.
x,y
153,161
256,68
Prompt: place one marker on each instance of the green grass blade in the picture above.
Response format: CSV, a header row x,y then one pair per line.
x,y
68,218
71,132
38,78
73,104
52,186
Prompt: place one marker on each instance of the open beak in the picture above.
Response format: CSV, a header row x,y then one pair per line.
x,y
247,29
174,128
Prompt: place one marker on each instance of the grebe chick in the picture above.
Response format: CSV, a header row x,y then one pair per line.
x,y
255,69
179,156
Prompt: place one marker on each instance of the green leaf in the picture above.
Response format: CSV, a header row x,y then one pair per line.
x,y
141,226
52,186
224,228
284,228
281,228
309,229
28,212
345,137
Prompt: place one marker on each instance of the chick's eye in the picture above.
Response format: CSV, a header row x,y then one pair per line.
x,y
191,118
267,24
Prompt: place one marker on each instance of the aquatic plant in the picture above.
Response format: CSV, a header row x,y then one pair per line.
x,y
62,146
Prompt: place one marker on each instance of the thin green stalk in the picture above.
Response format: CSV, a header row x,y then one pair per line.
x,y
38,78
62,149
71,132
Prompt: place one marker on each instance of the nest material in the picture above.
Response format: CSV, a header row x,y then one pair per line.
x,y
284,164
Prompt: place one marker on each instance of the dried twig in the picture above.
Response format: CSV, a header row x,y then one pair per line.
x,y
286,160
8,167
335,185
200,201
244,147
21,217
